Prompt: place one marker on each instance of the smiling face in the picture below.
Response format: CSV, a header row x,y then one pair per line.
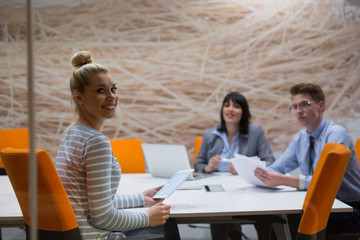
x,y
311,116
232,112
98,101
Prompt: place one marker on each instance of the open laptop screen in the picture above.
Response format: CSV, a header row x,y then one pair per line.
x,y
164,160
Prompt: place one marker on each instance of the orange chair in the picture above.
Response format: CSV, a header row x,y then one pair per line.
x,y
56,219
197,145
319,198
130,155
322,191
357,149
16,138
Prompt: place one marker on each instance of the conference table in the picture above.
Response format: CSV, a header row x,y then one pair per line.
x,y
192,203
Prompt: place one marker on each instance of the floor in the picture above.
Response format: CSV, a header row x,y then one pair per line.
x,y
199,232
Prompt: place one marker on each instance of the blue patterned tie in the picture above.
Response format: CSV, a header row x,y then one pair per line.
x,y
311,154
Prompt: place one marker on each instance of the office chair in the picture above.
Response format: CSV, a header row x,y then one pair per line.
x,y
15,138
357,149
197,146
56,219
130,155
322,191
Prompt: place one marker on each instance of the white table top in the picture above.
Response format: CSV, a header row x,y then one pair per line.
x,y
10,211
238,199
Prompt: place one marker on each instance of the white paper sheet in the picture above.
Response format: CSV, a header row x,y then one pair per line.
x,y
245,167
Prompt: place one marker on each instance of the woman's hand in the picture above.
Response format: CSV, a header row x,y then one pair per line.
x,y
148,196
232,170
158,214
213,164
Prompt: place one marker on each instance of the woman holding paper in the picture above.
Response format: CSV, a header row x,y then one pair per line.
x,y
235,134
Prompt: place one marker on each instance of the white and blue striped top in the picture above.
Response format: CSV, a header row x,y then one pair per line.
x,y
90,175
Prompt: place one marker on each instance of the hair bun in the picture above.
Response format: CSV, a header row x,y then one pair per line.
x,y
81,58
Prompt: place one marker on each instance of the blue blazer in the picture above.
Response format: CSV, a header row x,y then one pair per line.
x,y
252,144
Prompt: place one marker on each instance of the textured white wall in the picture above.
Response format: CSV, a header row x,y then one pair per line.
x,y
174,61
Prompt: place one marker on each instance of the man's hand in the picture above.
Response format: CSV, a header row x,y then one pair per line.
x,y
270,178
273,179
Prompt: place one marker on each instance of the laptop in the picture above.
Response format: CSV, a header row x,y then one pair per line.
x,y
164,160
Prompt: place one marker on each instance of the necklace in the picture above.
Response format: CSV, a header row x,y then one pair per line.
x,y
84,121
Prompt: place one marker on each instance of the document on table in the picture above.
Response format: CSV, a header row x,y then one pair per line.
x,y
245,167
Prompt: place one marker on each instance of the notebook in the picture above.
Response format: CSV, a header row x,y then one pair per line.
x,y
174,182
164,160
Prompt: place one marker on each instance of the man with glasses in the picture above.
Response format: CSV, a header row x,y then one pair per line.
x,y
304,151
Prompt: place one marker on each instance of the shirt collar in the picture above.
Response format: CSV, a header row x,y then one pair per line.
x,y
318,130
217,133
223,134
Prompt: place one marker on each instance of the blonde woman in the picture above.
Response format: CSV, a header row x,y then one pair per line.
x,y
90,173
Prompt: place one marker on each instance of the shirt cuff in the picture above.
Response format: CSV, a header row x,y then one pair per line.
x,y
301,182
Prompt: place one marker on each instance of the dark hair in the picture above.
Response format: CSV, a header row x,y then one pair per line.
x,y
245,117
312,89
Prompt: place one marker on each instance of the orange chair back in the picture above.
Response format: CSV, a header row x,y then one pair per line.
x,y
197,145
357,149
54,210
15,138
130,155
323,188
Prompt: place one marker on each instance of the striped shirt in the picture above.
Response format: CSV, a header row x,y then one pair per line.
x,y
90,175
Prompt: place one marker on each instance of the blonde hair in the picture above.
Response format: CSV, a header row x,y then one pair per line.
x,y
84,67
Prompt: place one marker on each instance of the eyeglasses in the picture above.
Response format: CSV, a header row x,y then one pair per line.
x,y
303,105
